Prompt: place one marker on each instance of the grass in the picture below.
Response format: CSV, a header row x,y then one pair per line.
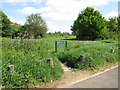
x,y
30,63
29,58
0,62
96,54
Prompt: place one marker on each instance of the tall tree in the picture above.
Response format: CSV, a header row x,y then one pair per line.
x,y
89,25
35,26
118,25
5,24
113,26
15,30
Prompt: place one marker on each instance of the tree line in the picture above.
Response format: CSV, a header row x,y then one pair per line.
x,y
89,25
34,27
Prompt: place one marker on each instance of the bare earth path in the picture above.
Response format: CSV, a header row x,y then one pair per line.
x,y
69,77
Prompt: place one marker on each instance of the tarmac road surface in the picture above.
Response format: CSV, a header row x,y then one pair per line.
x,y
108,79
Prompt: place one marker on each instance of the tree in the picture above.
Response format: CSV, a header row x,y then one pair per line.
x,y
35,26
15,30
113,27
89,25
5,24
113,24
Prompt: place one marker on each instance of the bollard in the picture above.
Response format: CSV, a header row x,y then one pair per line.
x,y
82,57
10,68
112,50
50,61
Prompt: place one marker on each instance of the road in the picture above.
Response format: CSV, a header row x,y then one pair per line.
x,y
108,79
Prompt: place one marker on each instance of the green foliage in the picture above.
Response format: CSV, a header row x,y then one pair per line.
x,y
30,60
8,28
113,28
89,25
113,24
29,57
35,26
58,34
97,54
15,30
4,24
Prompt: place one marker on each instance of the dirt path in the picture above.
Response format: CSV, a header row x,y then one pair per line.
x,y
69,77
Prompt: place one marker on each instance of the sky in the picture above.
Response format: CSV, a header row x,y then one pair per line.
x,y
58,14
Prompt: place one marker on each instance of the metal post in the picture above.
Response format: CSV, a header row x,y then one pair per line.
x,y
66,45
55,46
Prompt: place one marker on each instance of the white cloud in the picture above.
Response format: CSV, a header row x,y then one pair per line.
x,y
21,1
55,28
16,21
59,16
72,5
38,1
113,0
29,10
111,14
63,10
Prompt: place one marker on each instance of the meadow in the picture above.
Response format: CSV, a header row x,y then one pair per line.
x,y
29,58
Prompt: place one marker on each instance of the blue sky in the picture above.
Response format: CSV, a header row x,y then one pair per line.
x,y
58,14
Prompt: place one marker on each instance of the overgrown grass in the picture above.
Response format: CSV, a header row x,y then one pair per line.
x,y
0,62
96,54
29,58
30,63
